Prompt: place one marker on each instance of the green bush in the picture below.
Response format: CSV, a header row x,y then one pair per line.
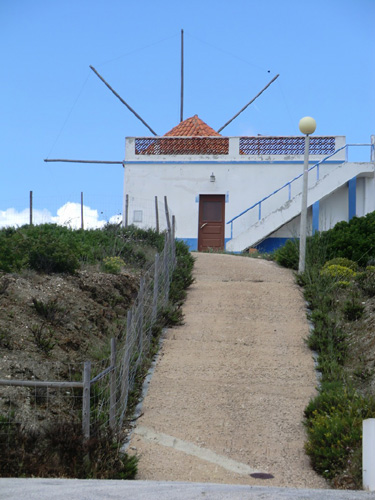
x,y
341,261
50,310
53,257
334,427
353,309
50,248
334,288
366,281
113,265
48,453
354,240
43,337
288,255
338,273
182,276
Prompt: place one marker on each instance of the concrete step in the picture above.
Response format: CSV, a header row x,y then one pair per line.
x,y
90,489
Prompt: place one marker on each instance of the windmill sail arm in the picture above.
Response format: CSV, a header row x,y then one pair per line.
x,y
122,100
248,104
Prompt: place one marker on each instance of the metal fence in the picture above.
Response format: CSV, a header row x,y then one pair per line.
x,y
83,210
99,391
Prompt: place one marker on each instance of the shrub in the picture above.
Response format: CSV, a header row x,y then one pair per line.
x,y
288,255
53,257
5,340
366,281
49,310
113,265
334,288
50,248
341,261
48,453
353,309
338,273
334,428
182,276
43,337
354,240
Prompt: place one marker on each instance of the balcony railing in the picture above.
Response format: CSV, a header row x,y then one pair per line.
x,y
244,146
182,146
285,145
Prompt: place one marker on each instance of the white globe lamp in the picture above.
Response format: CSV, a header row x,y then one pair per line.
x,y
307,125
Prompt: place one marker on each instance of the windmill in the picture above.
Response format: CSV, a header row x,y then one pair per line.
x,y
64,160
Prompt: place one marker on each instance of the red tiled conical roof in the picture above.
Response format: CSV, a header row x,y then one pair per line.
x,y
192,127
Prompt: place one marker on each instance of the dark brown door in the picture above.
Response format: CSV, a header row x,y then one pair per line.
x,y
211,222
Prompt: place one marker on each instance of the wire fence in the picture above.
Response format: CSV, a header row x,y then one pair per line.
x,y
83,211
98,392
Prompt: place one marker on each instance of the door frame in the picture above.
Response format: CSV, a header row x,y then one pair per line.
x,y
213,197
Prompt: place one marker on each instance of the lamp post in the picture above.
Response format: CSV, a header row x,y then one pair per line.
x,y
307,126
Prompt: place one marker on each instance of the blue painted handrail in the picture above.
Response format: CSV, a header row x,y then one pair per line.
x,y
289,185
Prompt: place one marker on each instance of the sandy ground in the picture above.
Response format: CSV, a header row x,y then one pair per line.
x,y
227,396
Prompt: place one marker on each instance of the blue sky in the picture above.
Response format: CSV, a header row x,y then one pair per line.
x,y
53,106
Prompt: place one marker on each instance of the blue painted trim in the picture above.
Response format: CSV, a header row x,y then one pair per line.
x,y
226,162
352,197
315,217
269,245
192,243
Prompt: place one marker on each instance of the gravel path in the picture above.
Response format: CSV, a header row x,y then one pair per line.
x,y
227,396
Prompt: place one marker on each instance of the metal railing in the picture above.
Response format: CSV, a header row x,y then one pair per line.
x,y
285,145
182,146
288,185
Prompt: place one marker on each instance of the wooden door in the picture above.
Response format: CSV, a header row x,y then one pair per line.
x,y
211,222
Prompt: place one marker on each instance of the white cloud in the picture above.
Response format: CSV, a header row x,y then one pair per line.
x,y
67,215
11,217
115,219
70,215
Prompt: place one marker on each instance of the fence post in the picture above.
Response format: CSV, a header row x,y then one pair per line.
x,y
368,454
31,208
112,382
125,366
156,289
82,226
126,210
157,214
140,313
167,214
166,267
86,400
173,241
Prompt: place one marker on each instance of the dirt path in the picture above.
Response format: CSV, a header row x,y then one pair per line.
x,y
227,396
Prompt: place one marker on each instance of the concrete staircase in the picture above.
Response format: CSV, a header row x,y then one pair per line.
x,y
329,182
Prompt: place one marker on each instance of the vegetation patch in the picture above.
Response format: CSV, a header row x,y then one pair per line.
x,y
60,450
49,248
339,285
67,304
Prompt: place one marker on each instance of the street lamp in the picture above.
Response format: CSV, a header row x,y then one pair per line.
x,y
307,126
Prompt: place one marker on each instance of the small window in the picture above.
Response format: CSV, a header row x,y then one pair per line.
x,y
137,215
212,211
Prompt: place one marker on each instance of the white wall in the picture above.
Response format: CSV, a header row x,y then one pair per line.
x,y
243,180
243,185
